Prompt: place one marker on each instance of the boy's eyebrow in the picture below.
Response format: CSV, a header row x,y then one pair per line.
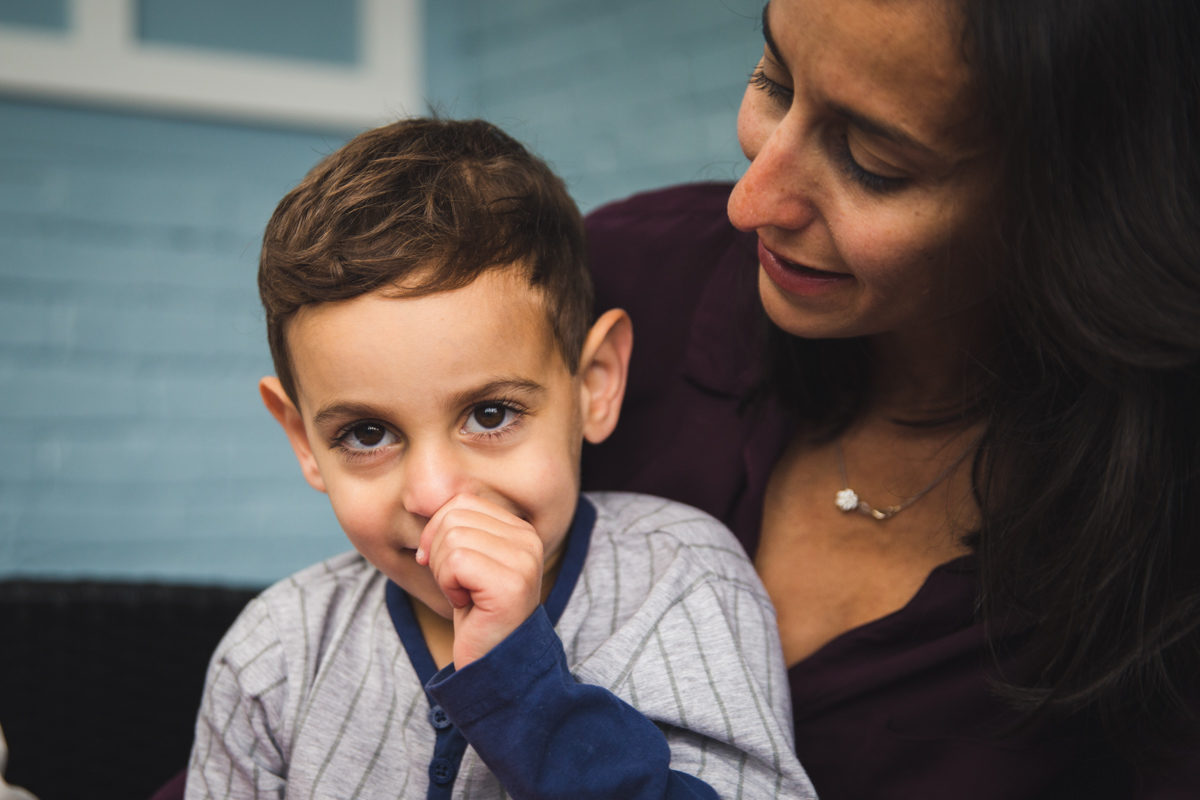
x,y
343,410
494,390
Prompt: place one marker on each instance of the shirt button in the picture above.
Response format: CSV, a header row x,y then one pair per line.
x,y
438,718
441,771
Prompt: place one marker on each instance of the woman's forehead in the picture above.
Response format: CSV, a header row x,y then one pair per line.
x,y
899,64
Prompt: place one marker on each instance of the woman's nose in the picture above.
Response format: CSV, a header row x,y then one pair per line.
x,y
432,474
776,190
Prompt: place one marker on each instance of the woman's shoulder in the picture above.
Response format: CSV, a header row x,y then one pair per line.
x,y
689,281
672,259
687,201
661,238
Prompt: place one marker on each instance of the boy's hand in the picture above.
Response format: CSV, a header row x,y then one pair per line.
x,y
488,564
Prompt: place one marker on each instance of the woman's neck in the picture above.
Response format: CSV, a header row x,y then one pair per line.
x,y
934,370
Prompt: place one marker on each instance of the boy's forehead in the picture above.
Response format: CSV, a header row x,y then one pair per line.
x,y
496,324
506,290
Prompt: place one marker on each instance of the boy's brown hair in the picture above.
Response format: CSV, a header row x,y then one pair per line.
x,y
423,206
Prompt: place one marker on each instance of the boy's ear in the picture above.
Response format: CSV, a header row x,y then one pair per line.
x,y
285,412
604,367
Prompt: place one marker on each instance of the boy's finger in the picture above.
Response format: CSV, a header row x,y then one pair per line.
x,y
477,503
425,544
469,577
517,552
456,596
464,506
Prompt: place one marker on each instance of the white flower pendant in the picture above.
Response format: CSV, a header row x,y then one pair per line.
x,y
847,500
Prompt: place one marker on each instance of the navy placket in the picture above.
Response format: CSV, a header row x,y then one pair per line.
x,y
449,744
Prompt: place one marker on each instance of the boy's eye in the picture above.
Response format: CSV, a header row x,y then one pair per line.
x,y
366,436
490,418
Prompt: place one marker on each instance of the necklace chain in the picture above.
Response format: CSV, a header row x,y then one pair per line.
x,y
848,500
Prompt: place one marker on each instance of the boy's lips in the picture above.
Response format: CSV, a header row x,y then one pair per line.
x,y
796,278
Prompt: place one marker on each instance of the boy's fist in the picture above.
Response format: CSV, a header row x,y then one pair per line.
x,y
488,564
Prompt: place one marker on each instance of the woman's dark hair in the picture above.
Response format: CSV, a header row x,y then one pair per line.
x,y
1090,478
1088,475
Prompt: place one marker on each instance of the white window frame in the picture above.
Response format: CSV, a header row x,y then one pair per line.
x,y
98,60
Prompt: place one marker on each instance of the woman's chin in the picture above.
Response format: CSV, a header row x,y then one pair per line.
x,y
824,316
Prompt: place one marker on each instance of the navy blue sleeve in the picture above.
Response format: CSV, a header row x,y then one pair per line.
x,y
546,736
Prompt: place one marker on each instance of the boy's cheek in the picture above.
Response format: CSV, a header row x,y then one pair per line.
x,y
541,488
362,527
363,508
401,568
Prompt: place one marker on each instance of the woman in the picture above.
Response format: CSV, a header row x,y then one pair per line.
x,y
967,465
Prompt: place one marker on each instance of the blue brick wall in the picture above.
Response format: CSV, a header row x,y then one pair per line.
x,y
132,440
48,14
620,95
324,30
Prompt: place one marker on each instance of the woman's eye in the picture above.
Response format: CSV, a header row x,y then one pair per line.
x,y
873,182
776,91
490,418
366,436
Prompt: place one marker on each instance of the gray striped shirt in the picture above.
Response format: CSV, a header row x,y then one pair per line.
x,y
311,694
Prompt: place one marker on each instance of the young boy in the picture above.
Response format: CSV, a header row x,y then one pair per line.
x,y
427,305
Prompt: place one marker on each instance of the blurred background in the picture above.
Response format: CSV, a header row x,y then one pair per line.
x,y
145,494
144,144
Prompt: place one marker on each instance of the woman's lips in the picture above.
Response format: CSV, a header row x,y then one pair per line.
x,y
795,278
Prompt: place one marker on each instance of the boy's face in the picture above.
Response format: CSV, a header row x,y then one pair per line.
x,y
407,402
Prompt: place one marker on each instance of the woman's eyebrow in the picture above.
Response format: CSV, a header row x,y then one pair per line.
x,y
876,128
766,29
868,125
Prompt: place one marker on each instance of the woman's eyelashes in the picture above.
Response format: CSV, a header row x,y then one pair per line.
x,y
871,181
492,419
776,91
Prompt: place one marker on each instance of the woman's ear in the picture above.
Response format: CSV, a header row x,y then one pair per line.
x,y
603,369
285,412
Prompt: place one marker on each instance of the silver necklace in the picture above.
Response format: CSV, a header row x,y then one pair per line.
x,y
848,500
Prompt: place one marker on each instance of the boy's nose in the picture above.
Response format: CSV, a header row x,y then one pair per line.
x,y
432,474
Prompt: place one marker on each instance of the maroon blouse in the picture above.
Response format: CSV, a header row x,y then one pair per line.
x,y
897,708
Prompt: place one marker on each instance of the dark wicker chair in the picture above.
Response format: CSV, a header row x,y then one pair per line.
x,y
100,682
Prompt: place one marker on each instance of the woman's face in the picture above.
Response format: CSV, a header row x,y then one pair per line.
x,y
870,182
